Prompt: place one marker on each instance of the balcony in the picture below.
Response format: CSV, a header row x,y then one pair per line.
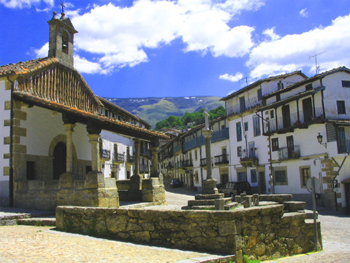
x,y
220,135
221,159
118,158
249,104
105,154
294,120
130,159
195,142
203,161
289,152
187,163
177,148
250,159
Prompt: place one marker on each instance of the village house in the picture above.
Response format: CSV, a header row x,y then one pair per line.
x,y
185,158
249,148
308,124
62,144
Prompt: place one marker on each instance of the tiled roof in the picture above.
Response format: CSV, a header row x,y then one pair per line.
x,y
261,81
309,80
104,101
26,67
104,119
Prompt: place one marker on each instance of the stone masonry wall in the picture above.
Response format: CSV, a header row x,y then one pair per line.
x,y
259,232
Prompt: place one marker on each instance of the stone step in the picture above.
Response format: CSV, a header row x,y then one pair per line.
x,y
208,201
38,221
310,214
209,196
294,206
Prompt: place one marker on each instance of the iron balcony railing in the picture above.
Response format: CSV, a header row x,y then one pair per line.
x,y
221,159
289,152
203,161
130,159
293,120
118,157
249,104
187,163
105,154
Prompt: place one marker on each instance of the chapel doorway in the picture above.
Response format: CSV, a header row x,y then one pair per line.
x,y
59,160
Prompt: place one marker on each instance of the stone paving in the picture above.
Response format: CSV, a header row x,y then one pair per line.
x,y
43,244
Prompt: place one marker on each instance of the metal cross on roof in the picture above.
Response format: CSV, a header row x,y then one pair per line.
x,y
63,6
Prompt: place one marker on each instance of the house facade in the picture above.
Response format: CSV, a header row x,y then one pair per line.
x,y
250,149
185,157
308,126
62,144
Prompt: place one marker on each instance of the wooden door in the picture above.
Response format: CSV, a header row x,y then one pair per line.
x,y
262,183
290,146
307,109
286,116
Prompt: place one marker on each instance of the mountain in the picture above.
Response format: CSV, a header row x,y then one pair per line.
x,y
153,109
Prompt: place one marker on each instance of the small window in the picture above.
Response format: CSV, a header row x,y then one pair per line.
x,y
239,151
256,126
253,176
65,42
239,131
259,94
304,175
308,87
281,177
30,170
345,83
246,126
195,155
272,114
274,143
196,177
341,107
278,97
280,85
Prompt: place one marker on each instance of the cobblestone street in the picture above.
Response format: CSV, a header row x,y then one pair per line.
x,y
43,244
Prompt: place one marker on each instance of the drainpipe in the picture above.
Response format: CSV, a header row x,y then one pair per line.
x,y
11,145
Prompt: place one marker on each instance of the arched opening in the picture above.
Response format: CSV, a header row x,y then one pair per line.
x,y
59,160
65,42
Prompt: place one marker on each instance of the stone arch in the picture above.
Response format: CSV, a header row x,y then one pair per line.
x,y
62,138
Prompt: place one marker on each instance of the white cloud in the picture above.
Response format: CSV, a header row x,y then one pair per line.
x,y
304,13
270,32
233,78
119,36
292,52
85,66
24,3
43,51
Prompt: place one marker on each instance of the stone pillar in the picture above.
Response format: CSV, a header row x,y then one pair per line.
x,y
209,185
94,140
155,149
137,157
69,144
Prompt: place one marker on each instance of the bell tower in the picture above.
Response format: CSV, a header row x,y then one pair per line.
x,y
61,39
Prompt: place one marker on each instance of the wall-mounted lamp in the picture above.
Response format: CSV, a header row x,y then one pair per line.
x,y
320,139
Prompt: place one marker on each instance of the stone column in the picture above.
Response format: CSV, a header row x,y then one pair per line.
x,y
94,140
137,157
155,149
209,185
69,144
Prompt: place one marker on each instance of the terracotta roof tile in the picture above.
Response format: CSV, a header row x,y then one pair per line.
x,y
25,67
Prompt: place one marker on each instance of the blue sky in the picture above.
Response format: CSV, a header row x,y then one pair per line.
x,y
145,48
